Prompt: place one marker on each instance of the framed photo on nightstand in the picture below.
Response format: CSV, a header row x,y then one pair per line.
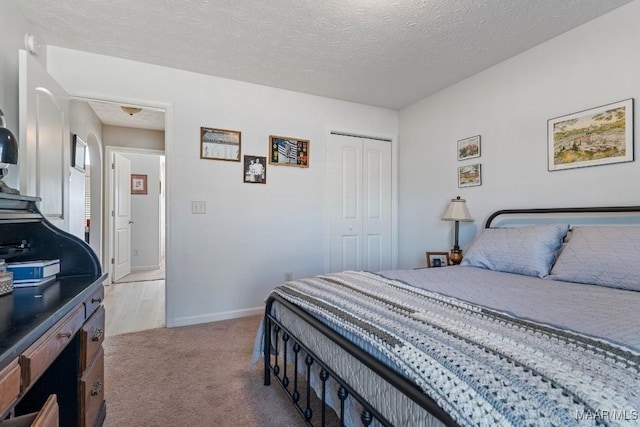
x,y
437,259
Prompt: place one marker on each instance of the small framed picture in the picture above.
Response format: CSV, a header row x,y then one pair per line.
x,y
255,169
437,259
469,175
286,151
138,184
79,154
469,148
220,144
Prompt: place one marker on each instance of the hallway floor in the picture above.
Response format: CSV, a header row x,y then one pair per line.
x,y
132,307
145,275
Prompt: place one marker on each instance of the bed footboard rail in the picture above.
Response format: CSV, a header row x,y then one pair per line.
x,y
278,341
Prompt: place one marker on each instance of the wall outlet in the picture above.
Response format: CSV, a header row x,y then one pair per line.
x,y
135,252
288,276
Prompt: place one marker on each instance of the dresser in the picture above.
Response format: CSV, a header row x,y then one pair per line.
x,y
51,354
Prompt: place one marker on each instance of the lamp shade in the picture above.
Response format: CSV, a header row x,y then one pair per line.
x,y
457,211
8,144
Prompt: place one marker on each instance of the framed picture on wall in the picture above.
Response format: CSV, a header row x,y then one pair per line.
x,y
286,151
469,175
79,153
220,144
469,148
255,170
138,184
598,136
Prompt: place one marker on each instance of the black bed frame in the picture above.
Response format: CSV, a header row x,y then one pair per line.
x,y
542,211
277,337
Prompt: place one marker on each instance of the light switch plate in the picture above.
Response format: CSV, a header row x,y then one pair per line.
x,y
198,207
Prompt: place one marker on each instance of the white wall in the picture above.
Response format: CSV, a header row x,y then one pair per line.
x,y
119,136
509,105
223,263
145,213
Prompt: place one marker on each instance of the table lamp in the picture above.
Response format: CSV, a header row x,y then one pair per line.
x,y
457,211
8,154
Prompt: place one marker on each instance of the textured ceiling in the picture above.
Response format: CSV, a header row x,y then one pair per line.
x,y
112,114
387,53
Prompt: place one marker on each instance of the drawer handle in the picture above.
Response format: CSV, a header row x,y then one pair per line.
x,y
97,335
96,300
97,386
65,334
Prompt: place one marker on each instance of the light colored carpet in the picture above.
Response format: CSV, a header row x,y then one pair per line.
x,y
191,376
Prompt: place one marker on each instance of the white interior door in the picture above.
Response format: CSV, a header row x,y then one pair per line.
x,y
121,216
359,191
376,205
344,174
44,150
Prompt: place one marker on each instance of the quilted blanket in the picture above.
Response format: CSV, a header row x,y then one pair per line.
x,y
484,367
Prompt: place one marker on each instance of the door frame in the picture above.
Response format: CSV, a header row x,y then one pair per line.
x,y
394,191
104,197
168,191
109,178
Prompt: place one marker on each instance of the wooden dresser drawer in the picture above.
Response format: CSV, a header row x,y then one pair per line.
x,y
94,301
9,385
91,338
48,416
92,391
37,358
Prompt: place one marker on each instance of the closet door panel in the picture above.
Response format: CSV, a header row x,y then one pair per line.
x,y
344,175
359,203
376,219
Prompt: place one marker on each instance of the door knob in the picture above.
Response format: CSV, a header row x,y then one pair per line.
x,y
130,222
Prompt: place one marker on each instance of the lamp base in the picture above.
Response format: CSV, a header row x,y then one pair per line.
x,y
4,188
456,256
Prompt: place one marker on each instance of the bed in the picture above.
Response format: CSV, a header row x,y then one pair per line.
x,y
539,325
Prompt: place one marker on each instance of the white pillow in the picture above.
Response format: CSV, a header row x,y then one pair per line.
x,y
601,255
528,250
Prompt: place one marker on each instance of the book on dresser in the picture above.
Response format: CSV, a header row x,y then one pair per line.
x,y
25,283
32,271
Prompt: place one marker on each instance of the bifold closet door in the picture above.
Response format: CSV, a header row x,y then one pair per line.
x,y
359,191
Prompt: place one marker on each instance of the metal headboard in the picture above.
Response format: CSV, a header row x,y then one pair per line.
x,y
551,211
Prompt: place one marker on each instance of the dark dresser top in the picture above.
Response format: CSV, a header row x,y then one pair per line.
x,y
27,313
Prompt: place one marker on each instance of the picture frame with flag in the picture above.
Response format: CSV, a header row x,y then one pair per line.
x,y
287,151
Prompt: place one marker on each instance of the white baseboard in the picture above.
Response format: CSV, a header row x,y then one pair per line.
x,y
145,267
214,317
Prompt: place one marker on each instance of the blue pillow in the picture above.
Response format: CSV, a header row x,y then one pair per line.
x,y
601,255
528,250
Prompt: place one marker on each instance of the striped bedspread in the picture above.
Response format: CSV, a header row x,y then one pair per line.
x,y
482,366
